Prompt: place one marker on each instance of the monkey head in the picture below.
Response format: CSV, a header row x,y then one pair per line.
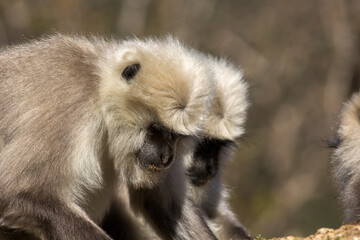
x,y
152,92
224,124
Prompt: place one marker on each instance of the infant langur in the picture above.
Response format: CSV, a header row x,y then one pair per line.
x,y
204,156
223,127
77,115
346,158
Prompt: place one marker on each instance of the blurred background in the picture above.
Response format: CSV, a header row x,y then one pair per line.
x,y
301,59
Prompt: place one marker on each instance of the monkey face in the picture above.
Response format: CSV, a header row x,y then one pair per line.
x,y
158,150
147,82
205,162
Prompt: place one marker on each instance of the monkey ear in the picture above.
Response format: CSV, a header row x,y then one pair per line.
x,y
130,71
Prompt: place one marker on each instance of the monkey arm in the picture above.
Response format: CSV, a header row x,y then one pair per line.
x,y
120,223
230,227
8,234
212,198
171,218
47,219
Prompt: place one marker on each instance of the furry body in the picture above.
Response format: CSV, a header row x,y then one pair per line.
x,y
346,158
77,116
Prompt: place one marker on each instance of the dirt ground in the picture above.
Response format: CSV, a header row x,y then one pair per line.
x,y
350,231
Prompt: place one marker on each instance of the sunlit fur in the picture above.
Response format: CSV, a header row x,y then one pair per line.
x,y
71,125
346,158
172,87
228,112
226,122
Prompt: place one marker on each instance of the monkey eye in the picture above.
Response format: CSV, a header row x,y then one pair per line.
x,y
130,71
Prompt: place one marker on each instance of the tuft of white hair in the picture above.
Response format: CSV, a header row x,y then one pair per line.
x,y
228,112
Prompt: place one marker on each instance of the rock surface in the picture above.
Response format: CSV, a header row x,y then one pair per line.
x,y
350,231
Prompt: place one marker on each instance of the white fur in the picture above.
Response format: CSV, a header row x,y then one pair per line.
x,y
172,87
74,124
346,158
94,173
228,112
349,129
171,80
225,121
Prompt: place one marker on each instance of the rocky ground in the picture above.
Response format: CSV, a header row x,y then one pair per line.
x,y
350,231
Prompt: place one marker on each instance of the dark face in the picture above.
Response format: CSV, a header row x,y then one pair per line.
x,y
157,153
206,160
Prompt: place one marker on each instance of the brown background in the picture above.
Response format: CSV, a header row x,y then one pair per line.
x,y
301,59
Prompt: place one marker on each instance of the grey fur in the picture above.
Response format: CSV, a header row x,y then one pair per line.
x,y
345,158
40,105
71,128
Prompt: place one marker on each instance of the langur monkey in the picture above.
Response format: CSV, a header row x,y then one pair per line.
x,y
78,115
346,158
223,127
203,158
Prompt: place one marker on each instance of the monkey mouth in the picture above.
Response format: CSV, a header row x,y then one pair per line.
x,y
197,180
154,169
164,164
154,165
